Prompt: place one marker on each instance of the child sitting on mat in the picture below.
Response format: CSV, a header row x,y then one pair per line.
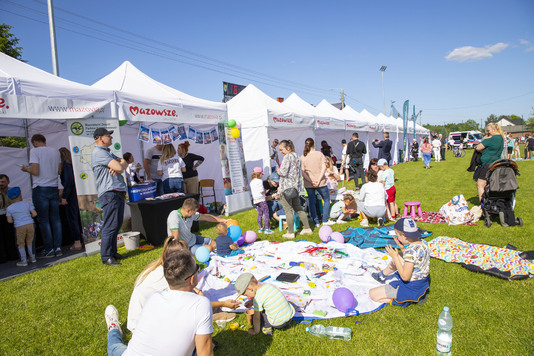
x,y
344,210
271,307
411,266
225,244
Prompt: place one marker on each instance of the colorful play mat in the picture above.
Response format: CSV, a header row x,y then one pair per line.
x,y
320,269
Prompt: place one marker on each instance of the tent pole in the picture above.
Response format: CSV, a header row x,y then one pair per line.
x,y
26,135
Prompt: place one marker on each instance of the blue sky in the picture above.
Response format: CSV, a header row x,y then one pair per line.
x,y
454,60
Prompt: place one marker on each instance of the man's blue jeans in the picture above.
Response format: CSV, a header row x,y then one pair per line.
x,y
116,346
46,203
323,192
274,206
173,185
113,206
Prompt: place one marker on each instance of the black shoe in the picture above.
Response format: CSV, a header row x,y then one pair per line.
x,y
118,256
111,262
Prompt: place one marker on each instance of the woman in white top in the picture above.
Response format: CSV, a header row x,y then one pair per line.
x,y
372,201
152,280
132,169
170,168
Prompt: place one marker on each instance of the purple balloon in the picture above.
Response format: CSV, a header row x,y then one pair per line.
x,y
241,240
337,236
325,232
250,236
343,299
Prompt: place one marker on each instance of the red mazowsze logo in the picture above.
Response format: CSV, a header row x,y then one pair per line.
x,y
352,126
135,110
281,119
372,127
323,122
3,104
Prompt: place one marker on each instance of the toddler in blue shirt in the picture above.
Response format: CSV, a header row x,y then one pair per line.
x,y
225,245
21,214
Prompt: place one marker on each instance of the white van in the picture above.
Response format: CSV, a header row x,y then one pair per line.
x,y
468,138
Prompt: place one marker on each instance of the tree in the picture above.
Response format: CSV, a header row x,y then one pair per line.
x,y
8,42
492,118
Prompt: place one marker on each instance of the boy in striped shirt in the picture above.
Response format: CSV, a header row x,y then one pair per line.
x,y
271,307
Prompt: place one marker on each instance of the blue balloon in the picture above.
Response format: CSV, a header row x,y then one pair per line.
x,y
202,254
234,231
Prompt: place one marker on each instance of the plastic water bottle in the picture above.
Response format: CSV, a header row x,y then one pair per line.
x,y
338,333
317,330
444,336
332,332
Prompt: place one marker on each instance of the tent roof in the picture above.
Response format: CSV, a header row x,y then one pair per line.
x,y
323,118
19,78
252,107
128,79
358,121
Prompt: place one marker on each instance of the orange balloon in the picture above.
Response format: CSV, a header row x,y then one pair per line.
x,y
231,222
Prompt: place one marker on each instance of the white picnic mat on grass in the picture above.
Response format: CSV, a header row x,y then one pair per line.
x,y
345,265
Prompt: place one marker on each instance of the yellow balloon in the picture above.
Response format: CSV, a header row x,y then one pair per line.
x,y
235,132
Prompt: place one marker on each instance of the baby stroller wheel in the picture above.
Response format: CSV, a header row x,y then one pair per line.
x,y
487,221
519,221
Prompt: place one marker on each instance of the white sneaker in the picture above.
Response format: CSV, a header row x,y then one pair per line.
x,y
339,221
329,222
364,223
317,225
22,263
112,318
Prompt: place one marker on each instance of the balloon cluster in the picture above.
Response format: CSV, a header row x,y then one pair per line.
x,y
234,131
326,234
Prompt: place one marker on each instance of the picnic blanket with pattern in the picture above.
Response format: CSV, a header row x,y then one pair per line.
x,y
498,261
373,237
434,217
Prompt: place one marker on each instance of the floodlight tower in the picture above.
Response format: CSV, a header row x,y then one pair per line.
x,y
383,69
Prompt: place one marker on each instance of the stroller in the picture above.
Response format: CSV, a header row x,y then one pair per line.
x,y
499,195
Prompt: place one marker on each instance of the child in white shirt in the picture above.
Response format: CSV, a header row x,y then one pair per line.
x,y
258,198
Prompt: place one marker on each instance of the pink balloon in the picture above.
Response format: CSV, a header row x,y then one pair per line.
x,y
343,299
337,236
240,241
238,124
250,236
325,232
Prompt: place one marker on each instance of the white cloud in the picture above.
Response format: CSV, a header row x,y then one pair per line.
x,y
528,44
462,54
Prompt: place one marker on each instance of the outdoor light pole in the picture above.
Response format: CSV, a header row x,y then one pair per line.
x,y
383,69
53,42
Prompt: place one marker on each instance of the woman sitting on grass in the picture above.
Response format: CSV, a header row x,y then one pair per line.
x,y
152,280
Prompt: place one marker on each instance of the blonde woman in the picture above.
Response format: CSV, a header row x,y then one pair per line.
x,y
491,148
170,169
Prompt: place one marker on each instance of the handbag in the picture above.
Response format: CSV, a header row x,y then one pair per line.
x,y
290,193
456,211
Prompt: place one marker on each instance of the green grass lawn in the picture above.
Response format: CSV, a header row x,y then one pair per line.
x,y
59,310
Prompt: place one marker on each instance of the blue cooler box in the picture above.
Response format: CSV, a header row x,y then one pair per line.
x,y
142,191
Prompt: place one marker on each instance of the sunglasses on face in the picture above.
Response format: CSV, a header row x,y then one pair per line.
x,y
196,270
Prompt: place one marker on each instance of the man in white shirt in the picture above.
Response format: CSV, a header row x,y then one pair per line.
x,y
45,168
436,147
173,322
150,163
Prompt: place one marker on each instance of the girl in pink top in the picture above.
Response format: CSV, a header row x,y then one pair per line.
x,y
426,148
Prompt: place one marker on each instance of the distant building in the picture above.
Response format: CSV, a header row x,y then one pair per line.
x,y
515,127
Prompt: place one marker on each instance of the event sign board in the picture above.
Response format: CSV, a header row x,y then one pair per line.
x,y
330,124
82,144
170,114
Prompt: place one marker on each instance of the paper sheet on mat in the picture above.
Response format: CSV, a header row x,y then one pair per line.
x,y
265,258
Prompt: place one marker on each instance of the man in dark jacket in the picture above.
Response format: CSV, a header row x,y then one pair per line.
x,y
384,148
355,150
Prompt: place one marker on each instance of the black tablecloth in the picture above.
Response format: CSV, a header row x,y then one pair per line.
x,y
149,217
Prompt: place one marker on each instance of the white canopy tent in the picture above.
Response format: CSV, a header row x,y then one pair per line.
x,y
263,119
331,130
34,101
141,99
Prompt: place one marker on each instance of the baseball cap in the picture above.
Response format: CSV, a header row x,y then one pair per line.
x,y
408,227
242,282
101,132
258,170
13,193
274,177
381,162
